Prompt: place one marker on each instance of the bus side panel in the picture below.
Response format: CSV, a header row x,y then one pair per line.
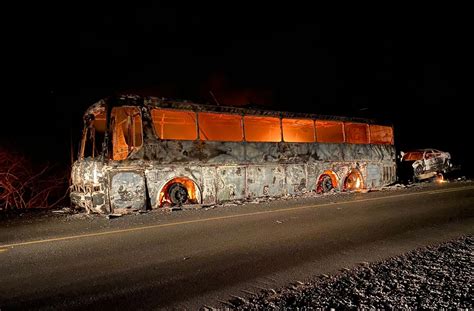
x,y
358,152
296,179
230,183
388,166
153,185
266,180
222,152
378,152
381,174
388,173
329,152
374,175
297,152
388,152
209,191
127,190
313,172
197,152
261,153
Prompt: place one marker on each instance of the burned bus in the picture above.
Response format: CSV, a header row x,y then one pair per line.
x,y
139,153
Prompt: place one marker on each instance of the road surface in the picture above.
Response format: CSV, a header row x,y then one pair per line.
x,y
190,259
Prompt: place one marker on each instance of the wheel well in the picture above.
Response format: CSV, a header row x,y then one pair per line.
x,y
332,175
194,193
353,180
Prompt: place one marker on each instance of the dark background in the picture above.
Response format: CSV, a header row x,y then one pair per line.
x,y
411,68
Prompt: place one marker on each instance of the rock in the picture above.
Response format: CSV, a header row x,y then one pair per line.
x,y
430,278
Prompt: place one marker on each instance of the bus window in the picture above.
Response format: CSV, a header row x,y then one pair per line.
x,y
381,134
127,131
100,122
220,127
174,124
265,129
298,130
329,131
356,133
93,135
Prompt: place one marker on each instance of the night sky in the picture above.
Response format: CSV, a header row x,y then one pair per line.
x,y
411,69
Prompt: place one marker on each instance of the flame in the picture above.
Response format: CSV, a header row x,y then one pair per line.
x,y
187,183
353,181
357,183
440,179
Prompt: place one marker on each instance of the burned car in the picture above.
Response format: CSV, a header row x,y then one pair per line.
x,y
423,164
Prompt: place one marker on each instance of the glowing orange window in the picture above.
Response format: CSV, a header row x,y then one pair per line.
x,y
220,127
329,131
174,124
381,134
413,156
100,122
262,129
298,130
127,131
356,133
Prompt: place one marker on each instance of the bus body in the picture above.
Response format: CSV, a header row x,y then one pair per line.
x,y
138,153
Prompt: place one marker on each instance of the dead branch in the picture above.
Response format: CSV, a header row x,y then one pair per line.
x,y
21,186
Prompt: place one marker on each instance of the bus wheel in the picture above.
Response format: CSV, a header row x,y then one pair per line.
x,y
353,181
178,194
324,184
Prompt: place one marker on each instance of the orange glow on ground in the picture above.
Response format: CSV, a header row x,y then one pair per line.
x,y
440,179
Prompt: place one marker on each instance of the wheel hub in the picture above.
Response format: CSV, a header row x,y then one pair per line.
x,y
178,194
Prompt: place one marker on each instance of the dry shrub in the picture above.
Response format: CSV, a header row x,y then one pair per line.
x,y
24,186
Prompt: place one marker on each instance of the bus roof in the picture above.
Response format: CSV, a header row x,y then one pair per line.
x,y
152,101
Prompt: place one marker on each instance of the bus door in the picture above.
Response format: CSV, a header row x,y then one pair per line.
x,y
126,177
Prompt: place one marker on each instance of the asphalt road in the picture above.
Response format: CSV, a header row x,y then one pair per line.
x,y
190,259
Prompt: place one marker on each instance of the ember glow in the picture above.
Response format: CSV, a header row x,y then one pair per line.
x,y
353,181
440,179
166,195
357,183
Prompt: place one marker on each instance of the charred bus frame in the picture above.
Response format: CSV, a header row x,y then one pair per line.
x,y
146,152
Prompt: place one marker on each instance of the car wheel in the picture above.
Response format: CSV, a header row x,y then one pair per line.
x,y
419,170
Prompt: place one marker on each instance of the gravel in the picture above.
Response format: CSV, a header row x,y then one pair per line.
x,y
435,277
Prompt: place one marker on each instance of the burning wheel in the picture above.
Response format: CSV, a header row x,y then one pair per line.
x,y
353,181
178,194
325,184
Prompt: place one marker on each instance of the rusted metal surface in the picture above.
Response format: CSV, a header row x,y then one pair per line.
x,y
127,190
89,188
220,171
